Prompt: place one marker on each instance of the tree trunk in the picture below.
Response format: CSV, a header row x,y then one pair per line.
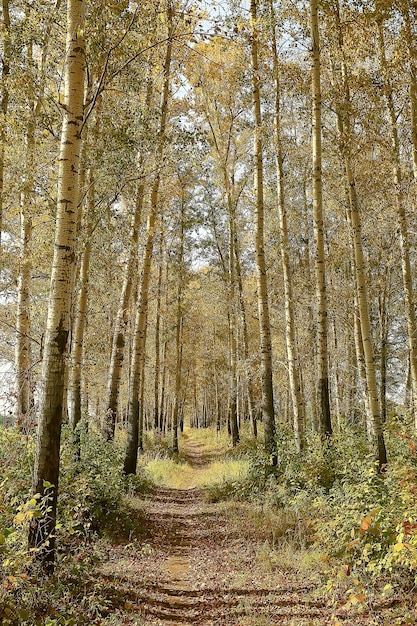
x,y
402,222
362,288
138,355
321,296
360,355
23,386
232,323
46,471
162,412
298,406
4,103
128,286
157,415
179,329
80,320
383,359
344,126
412,55
250,390
261,278
119,335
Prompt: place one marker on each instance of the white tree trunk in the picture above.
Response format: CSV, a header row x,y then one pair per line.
x,y
261,278
321,296
41,533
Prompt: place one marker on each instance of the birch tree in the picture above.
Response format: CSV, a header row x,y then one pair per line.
x,y
4,101
290,334
261,276
129,283
401,211
321,296
344,122
138,350
46,471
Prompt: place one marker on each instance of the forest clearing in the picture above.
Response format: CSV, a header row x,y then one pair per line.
x,y
208,330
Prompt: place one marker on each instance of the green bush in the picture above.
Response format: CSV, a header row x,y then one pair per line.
x,y
93,489
92,501
364,520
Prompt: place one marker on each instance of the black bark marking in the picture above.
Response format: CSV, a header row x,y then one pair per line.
x,y
61,338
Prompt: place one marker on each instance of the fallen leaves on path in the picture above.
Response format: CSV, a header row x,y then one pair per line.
x,y
197,567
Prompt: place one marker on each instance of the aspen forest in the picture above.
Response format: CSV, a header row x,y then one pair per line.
x,y
208,327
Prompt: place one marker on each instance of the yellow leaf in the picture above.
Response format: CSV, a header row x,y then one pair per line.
x,y
398,547
19,518
365,524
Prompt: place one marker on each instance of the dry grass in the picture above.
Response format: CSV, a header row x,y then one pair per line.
x,y
202,462
168,473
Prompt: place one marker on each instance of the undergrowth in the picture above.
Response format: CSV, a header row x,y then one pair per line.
x,y
95,506
332,507
327,513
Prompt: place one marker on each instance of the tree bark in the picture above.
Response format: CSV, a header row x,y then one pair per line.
x,y
321,296
128,287
23,386
234,426
4,102
298,405
157,414
46,471
345,132
245,336
138,356
261,277
402,221
23,410
179,327
412,55
119,335
80,321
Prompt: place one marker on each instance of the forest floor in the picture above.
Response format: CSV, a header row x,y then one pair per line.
x,y
210,564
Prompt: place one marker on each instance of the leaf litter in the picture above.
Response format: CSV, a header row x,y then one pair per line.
x,y
199,566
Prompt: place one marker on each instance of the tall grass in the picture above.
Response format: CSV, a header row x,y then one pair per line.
x,y
205,461
167,473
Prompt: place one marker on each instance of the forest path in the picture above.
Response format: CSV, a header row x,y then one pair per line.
x,y
198,565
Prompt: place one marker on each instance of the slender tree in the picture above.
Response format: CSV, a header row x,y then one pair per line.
x,y
46,471
80,316
138,355
261,277
4,101
179,324
290,335
401,214
128,287
346,138
321,296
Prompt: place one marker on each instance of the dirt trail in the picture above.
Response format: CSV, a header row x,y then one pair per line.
x,y
197,568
